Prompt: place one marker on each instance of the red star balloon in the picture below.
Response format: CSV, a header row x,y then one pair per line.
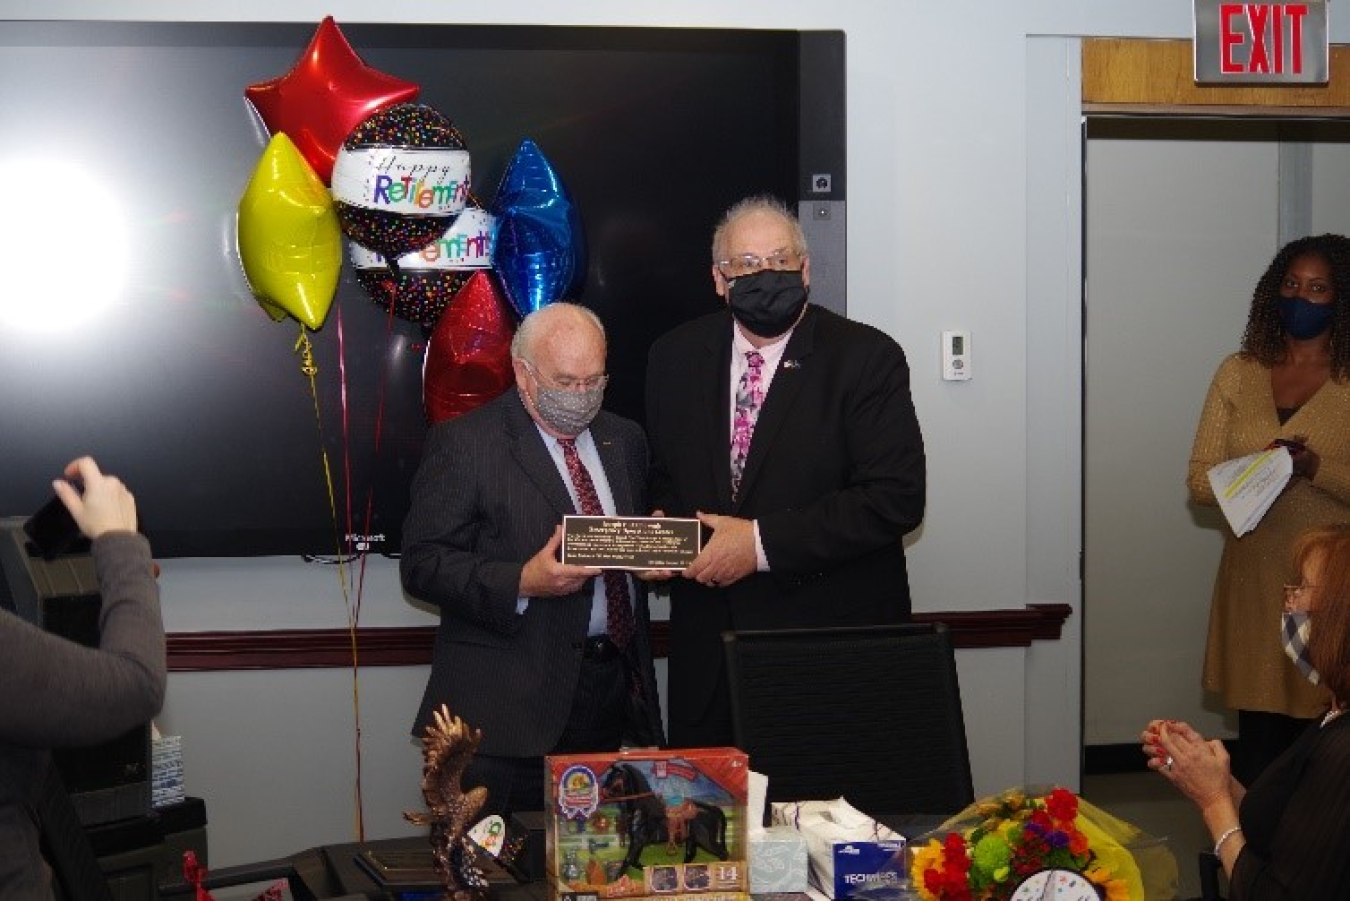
x,y
469,355
327,93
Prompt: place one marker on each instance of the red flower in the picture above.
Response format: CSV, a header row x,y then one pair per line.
x,y
1078,843
1062,804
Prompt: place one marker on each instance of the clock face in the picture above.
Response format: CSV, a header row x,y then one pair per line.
x,y
1056,885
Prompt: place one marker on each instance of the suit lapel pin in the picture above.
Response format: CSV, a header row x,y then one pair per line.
x,y
792,364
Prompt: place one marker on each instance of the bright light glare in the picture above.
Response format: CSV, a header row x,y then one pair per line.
x,y
63,253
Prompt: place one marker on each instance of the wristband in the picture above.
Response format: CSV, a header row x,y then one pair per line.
x,y
1227,834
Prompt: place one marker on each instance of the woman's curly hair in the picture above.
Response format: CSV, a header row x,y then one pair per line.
x,y
1264,339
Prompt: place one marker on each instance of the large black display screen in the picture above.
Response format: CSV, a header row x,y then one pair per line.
x,y
187,389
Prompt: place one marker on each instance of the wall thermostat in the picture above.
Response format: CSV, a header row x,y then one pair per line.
x,y
956,356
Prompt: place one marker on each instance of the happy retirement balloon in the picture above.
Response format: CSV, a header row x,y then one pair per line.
x,y
289,241
400,178
427,279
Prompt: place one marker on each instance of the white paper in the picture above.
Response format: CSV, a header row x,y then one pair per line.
x,y
1247,486
756,794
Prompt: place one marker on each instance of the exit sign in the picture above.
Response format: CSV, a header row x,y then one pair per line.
x,y
1261,43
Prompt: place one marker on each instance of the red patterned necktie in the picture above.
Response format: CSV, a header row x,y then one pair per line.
x,y
749,398
619,609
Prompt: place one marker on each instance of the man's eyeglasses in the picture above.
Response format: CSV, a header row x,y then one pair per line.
x,y
565,383
747,263
1293,591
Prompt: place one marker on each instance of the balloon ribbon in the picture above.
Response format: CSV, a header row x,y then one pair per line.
x,y
310,369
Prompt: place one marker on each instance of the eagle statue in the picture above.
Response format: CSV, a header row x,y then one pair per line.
x,y
447,747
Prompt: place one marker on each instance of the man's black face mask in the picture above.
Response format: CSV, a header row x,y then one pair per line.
x,y
769,302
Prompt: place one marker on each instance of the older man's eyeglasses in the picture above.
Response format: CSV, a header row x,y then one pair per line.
x,y
1293,591
747,263
567,383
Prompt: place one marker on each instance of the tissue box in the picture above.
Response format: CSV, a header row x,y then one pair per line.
x,y
777,861
851,855
622,825
865,868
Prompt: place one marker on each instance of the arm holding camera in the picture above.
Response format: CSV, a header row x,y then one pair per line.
x,y
60,694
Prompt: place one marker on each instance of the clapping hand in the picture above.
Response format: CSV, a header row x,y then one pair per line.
x,y
1198,768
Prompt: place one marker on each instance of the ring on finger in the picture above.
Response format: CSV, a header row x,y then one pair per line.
x,y
1168,765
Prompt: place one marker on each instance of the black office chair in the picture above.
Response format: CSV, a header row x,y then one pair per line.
x,y
871,714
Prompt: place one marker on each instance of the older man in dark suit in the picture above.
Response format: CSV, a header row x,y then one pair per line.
x,y
542,657
789,431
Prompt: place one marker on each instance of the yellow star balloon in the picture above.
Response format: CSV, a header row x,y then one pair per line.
x,y
290,242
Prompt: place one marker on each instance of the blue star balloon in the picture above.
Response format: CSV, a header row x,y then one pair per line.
x,y
540,253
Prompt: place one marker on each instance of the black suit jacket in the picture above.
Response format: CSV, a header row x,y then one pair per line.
x,y
485,499
835,477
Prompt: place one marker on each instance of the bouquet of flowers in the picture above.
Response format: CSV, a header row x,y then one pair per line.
x,y
1012,837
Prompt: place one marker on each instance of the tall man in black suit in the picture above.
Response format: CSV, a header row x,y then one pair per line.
x,y
789,431
529,650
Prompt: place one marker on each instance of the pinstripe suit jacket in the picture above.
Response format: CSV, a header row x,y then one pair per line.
x,y
485,499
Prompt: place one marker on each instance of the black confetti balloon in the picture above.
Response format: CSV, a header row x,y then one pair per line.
x,y
419,296
424,282
400,178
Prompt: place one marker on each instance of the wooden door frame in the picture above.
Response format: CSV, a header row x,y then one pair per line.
x,y
1156,77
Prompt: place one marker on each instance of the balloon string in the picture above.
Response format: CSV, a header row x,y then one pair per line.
x,y
346,429
365,530
353,606
305,348
375,463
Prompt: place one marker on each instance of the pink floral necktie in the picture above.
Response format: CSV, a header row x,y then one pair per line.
x,y
618,605
749,398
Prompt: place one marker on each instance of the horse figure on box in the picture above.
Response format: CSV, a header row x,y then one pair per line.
x,y
644,818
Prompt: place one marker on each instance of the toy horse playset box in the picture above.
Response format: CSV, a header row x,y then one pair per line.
x,y
648,824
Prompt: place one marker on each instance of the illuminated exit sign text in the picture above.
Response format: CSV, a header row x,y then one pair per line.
x,y
1261,43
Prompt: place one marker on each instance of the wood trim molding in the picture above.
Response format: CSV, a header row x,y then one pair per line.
x,y
1002,628
411,645
1132,75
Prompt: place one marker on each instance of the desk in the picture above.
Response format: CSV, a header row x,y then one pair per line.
x,y
335,871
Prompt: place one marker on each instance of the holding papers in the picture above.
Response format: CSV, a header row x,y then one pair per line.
x,y
1247,486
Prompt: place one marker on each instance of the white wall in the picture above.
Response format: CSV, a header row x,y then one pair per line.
x,y
964,212
1182,219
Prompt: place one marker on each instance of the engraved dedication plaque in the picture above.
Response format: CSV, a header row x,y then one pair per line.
x,y
630,542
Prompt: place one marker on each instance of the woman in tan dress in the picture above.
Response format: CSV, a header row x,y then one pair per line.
x,y
1289,383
